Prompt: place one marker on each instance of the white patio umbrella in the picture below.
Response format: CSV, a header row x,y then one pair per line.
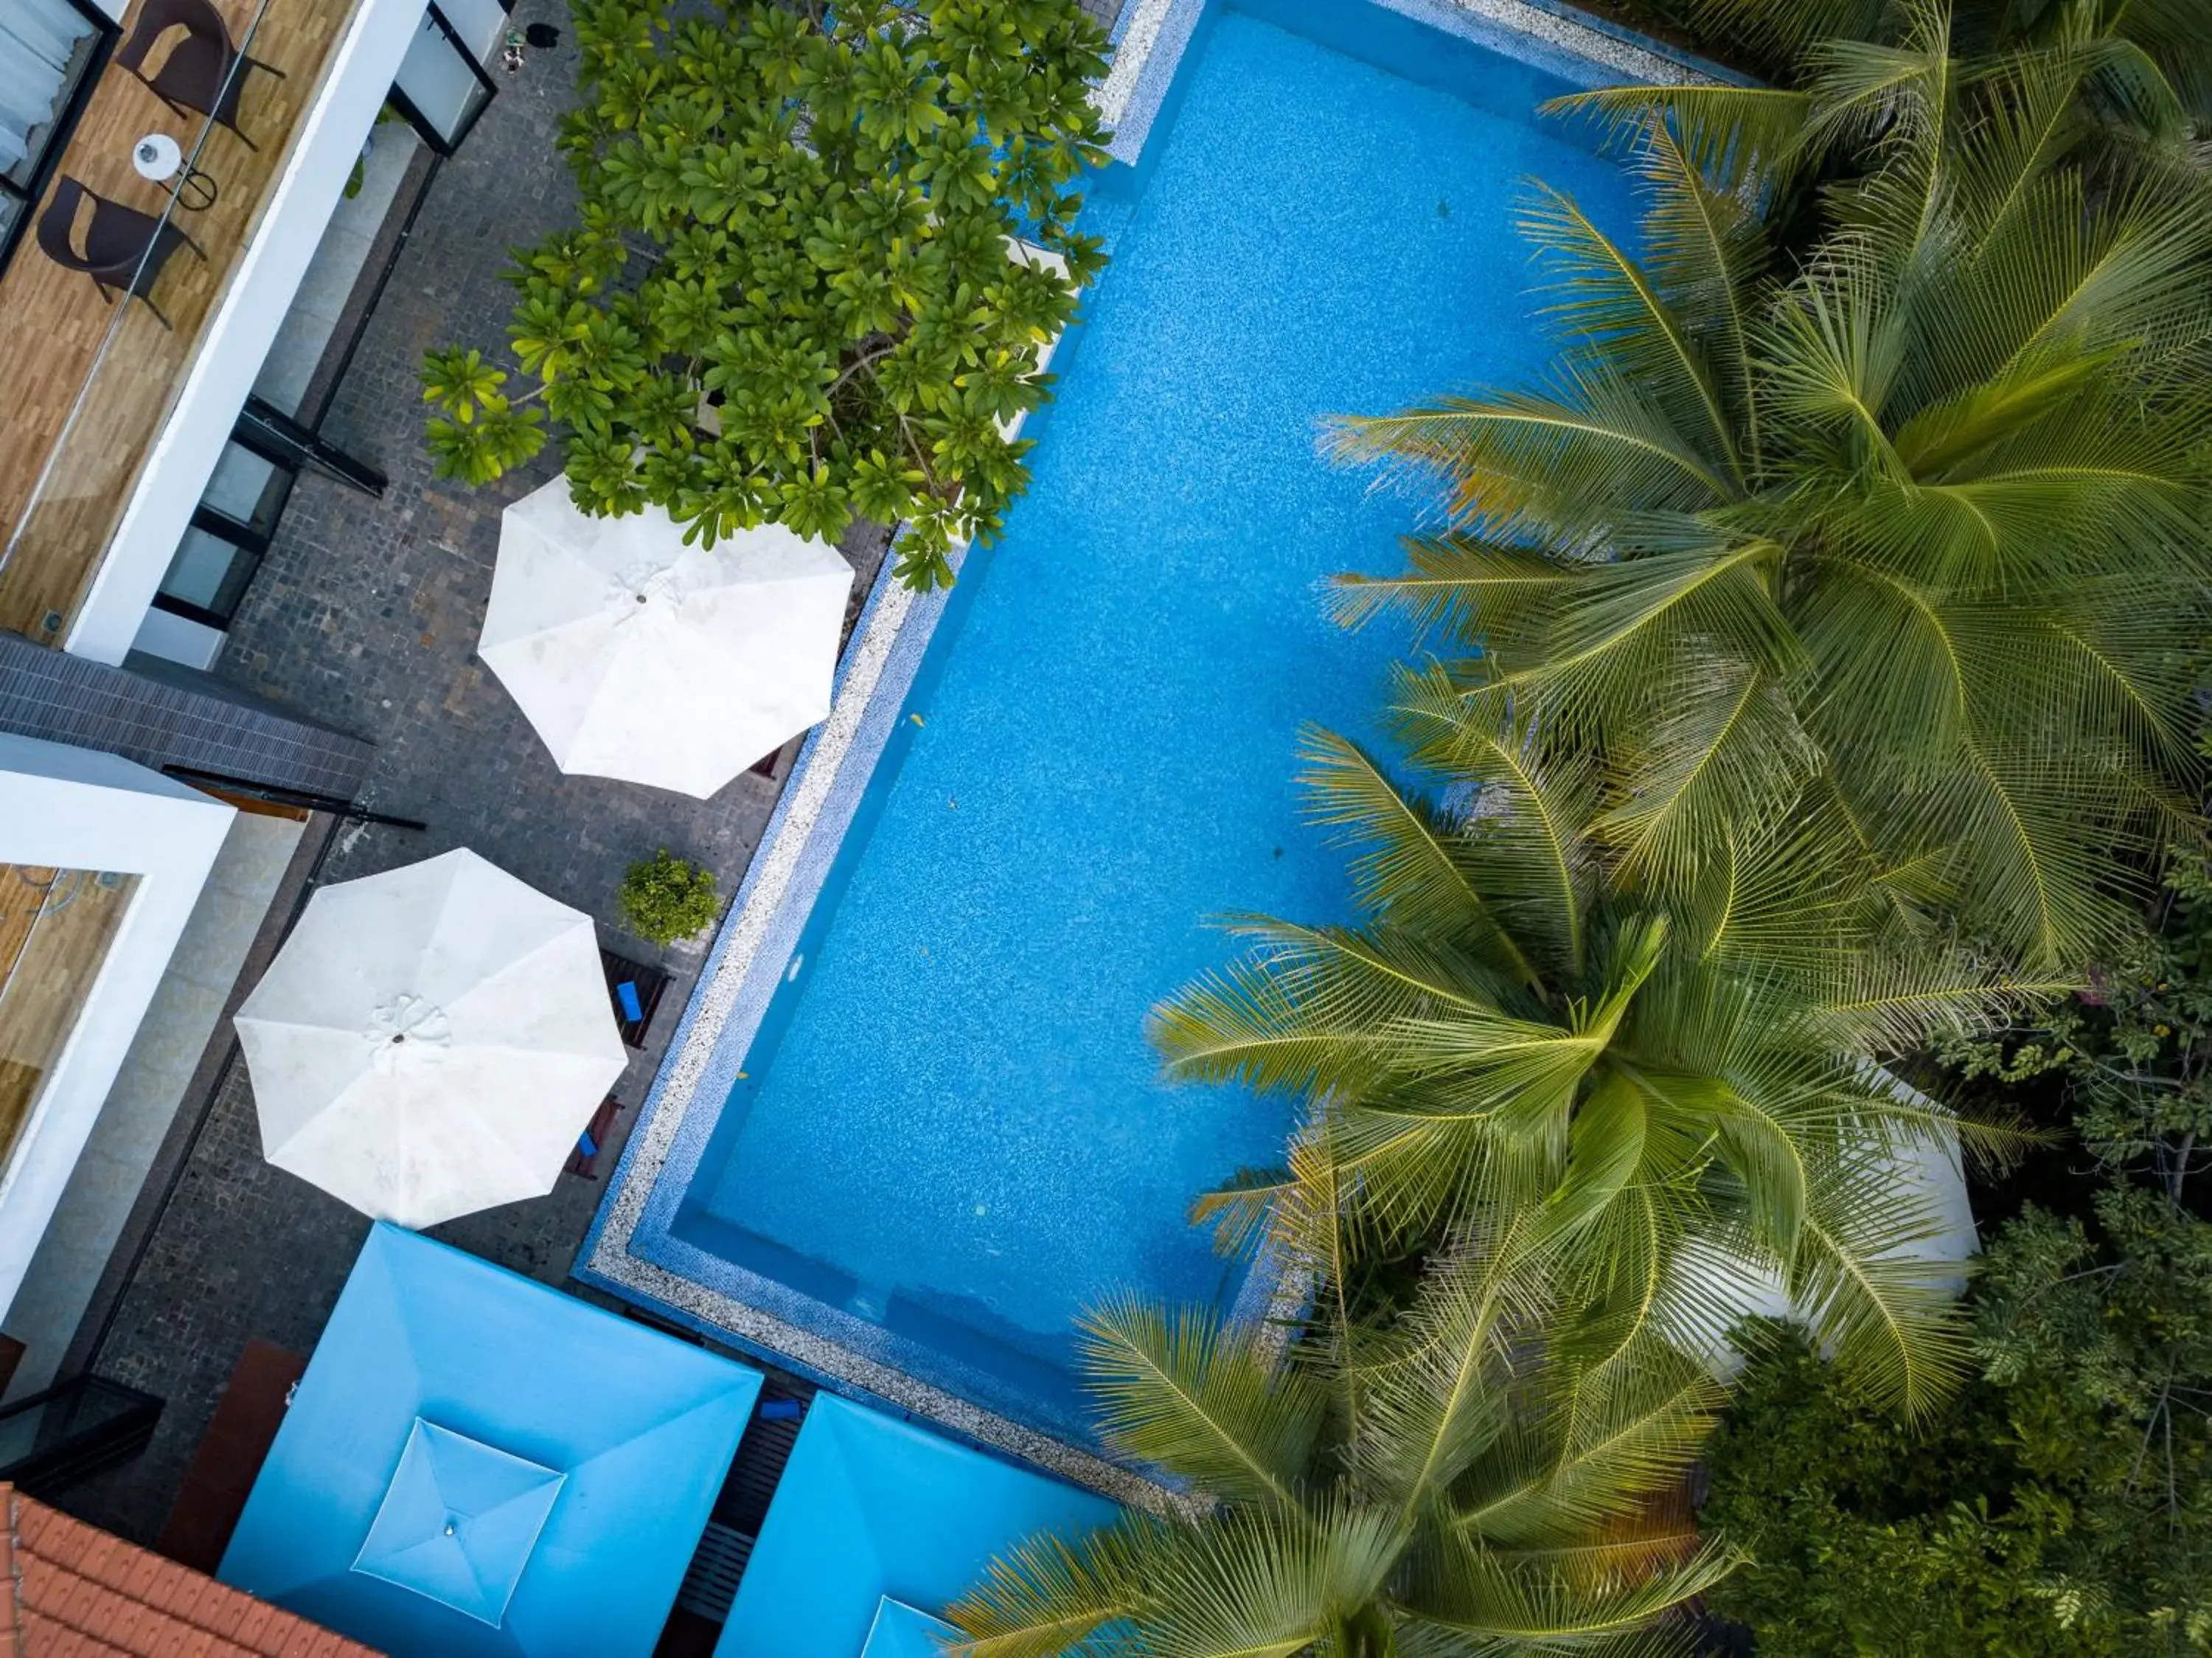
x,y
638,657
431,1040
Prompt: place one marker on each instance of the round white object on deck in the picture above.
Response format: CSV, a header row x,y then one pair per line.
x,y
157,156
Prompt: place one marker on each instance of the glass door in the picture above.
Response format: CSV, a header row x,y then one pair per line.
x,y
443,85
230,529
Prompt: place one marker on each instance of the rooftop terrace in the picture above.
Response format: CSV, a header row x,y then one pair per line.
x,y
92,381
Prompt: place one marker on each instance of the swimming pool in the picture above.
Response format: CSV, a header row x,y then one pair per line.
x,y
928,1130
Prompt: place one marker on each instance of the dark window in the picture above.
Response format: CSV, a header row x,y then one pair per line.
x,y
47,51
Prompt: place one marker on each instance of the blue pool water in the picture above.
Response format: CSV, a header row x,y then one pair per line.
x,y
949,1134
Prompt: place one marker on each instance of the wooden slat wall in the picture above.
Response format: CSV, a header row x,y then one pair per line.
x,y
52,320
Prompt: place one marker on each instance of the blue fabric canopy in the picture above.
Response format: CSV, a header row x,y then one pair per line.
x,y
876,1528
900,1632
477,1465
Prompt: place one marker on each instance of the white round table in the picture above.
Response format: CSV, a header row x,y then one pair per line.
x,y
160,159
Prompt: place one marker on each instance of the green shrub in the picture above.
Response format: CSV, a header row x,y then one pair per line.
x,y
665,898
2061,1506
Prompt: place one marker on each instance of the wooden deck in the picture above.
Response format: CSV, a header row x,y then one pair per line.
x,y
55,928
53,321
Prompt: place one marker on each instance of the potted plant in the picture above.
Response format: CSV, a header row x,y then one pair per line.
x,y
665,898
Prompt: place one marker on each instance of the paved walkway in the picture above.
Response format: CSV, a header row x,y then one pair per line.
x,y
364,616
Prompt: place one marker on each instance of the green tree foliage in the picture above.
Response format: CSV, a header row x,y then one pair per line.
x,y
1441,1484
2063,1505
665,898
793,293
1900,534
1678,1096
2135,1050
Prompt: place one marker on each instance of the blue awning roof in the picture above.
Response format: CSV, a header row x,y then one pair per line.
x,y
900,1632
875,1521
475,1464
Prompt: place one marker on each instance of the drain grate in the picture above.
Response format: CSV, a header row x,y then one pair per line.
x,y
712,1581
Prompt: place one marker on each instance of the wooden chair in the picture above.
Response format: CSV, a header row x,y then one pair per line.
x,y
123,248
634,990
592,1144
197,74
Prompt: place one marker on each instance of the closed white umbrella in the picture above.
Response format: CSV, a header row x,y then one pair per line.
x,y
638,657
431,1040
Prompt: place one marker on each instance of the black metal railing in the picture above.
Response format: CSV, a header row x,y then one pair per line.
x,y
84,1426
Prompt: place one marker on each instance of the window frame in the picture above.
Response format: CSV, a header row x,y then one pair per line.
x,y
33,196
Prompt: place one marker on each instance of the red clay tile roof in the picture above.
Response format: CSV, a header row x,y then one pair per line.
x,y
70,1590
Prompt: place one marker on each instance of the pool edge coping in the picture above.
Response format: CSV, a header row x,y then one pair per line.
x,y
1151,35
820,799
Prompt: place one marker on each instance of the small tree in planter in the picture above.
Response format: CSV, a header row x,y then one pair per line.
x,y
665,898
794,293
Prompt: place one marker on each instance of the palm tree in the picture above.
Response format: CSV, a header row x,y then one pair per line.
x,y
1668,1100
1448,1484
1908,536
2124,84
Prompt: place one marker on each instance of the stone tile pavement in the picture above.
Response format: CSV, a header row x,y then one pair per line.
x,y
364,616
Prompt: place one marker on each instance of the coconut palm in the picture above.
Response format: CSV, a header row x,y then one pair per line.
x,y
1677,1096
1447,1485
2107,83
1909,535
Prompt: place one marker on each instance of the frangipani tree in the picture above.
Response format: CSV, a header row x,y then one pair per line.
x,y
1909,537
1447,1485
1665,1097
795,292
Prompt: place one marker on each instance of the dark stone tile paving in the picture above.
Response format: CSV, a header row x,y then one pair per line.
x,y
364,616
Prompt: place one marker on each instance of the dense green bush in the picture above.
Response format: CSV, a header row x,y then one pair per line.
x,y
665,898
793,293
2063,1504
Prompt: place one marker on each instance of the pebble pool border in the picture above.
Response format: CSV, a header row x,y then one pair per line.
x,y
754,946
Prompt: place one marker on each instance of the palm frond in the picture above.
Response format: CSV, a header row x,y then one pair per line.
x,y
1309,1009
1533,804
1618,318
1049,1598
1467,1600
1872,1282
1438,1395
1262,1584
1729,756
1455,583
1592,1450
1538,458
1210,1403
1709,248
1417,871
1728,132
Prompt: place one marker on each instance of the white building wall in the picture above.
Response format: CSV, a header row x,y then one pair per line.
x,y
127,1136
238,335
82,809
